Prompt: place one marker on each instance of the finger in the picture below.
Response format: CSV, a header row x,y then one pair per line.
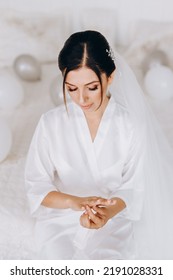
x,y
105,202
102,202
84,220
91,201
99,210
88,223
95,219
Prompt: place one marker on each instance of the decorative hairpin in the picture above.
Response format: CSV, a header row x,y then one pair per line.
x,y
110,53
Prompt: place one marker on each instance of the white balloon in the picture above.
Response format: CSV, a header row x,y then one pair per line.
x,y
11,91
5,140
154,58
158,82
27,68
56,91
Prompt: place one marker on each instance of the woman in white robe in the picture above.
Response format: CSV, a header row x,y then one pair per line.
x,y
84,170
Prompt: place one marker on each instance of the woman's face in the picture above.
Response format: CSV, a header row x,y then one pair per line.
x,y
84,88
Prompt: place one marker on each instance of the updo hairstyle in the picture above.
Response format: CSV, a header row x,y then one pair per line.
x,y
86,48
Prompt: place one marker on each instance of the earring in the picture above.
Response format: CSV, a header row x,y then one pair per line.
x,y
108,93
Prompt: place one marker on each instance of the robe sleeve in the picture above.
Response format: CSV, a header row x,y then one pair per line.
x,y
131,189
39,169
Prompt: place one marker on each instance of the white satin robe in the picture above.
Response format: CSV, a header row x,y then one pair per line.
x,y
62,157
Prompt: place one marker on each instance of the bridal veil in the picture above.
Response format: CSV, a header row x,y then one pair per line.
x,y
154,231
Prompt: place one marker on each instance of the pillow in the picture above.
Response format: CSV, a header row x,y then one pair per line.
x,y
38,34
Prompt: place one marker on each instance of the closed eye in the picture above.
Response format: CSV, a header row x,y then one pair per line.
x,y
94,88
72,89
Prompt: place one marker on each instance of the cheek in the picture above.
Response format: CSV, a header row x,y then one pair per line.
x,y
97,96
73,97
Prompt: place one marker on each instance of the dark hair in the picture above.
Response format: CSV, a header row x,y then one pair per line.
x,y
86,48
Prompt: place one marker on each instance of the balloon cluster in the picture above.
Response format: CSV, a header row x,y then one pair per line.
x,y
28,69
11,92
158,79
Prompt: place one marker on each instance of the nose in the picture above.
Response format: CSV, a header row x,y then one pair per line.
x,y
82,97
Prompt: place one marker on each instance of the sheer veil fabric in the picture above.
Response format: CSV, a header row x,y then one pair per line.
x,y
154,230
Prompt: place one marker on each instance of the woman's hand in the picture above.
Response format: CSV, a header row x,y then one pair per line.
x,y
61,200
94,219
80,203
97,216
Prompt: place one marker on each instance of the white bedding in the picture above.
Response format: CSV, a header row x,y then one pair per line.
x,y
16,225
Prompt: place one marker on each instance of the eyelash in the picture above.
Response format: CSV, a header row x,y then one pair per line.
x,y
92,89
72,89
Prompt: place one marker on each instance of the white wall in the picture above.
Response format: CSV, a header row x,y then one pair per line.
x,y
126,11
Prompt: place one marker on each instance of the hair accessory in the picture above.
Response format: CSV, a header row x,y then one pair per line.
x,y
111,53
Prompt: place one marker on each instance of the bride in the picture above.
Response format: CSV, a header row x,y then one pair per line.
x,y
98,172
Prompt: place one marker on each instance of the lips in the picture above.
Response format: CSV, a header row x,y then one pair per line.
x,y
86,106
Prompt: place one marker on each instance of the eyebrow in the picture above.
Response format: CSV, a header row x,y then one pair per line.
x,y
85,84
